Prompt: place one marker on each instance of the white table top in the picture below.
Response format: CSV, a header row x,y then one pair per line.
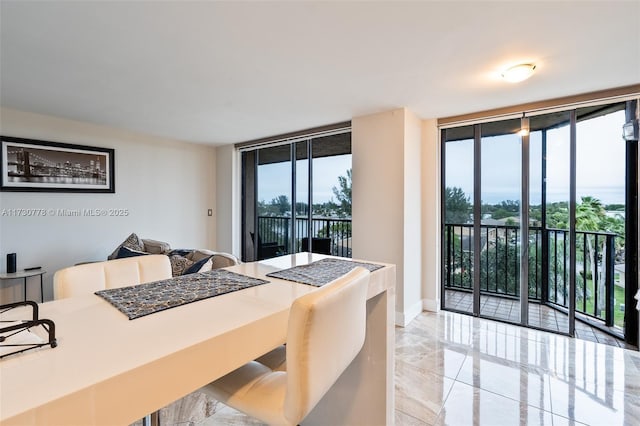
x,y
21,274
104,361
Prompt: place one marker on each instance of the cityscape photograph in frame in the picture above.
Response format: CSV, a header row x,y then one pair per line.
x,y
34,165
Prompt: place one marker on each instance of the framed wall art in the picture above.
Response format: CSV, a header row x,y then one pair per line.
x,y
34,165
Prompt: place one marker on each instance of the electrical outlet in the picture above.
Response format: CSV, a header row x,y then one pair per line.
x,y
210,212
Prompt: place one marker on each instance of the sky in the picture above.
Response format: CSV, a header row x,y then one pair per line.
x,y
600,153
275,179
600,169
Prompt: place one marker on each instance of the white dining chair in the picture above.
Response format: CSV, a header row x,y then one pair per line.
x,y
326,330
91,277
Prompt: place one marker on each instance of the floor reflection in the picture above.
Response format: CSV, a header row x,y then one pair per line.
x,y
510,375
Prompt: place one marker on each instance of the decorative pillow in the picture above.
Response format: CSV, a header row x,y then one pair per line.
x,y
208,266
127,252
201,265
180,252
132,242
222,260
156,247
198,255
179,264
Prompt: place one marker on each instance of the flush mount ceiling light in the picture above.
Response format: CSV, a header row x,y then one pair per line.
x,y
518,72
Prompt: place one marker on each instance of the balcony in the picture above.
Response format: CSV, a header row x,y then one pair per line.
x,y
599,297
329,235
599,281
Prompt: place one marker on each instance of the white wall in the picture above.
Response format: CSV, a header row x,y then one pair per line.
x,y
167,187
387,200
412,217
228,214
431,253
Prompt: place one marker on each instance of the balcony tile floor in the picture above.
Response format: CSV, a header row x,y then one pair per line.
x,y
454,369
539,316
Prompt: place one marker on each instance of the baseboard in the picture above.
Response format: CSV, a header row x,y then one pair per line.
x,y
404,318
431,305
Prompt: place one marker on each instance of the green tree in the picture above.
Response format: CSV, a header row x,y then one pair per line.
x,y
558,215
589,214
458,262
262,208
457,206
506,209
343,194
280,206
535,213
615,207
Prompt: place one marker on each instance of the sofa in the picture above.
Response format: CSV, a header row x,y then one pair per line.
x,y
91,277
183,261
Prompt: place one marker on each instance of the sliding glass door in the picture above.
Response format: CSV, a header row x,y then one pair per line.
x,y
600,216
296,196
534,219
274,209
499,239
458,215
549,255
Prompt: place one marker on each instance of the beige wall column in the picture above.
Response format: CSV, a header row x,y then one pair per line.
x,y
227,212
431,184
387,205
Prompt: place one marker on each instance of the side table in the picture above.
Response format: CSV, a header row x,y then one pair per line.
x,y
24,275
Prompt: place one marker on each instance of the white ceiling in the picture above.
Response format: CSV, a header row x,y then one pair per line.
x,y
223,72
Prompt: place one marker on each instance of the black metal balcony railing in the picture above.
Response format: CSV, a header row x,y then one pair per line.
x,y
329,235
548,265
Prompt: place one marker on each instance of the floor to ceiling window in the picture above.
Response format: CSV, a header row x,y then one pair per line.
x,y
458,197
499,233
536,217
296,196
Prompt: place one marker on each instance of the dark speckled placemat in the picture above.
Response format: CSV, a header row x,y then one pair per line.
x,y
321,272
144,299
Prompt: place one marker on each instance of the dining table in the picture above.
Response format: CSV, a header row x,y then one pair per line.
x,y
108,369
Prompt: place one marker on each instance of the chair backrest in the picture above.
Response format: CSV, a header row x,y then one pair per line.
x,y
91,277
326,331
320,245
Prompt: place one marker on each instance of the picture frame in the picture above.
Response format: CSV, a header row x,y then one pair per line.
x,y
30,165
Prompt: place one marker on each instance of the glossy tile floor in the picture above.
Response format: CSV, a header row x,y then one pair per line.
x,y
539,316
460,370
454,369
